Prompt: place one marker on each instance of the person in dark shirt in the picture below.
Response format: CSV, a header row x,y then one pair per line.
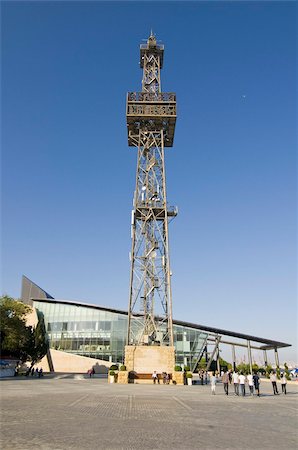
x,y
256,380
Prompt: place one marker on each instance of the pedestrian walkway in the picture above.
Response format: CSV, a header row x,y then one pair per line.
x,y
81,413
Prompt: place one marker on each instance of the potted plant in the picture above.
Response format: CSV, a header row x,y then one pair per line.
x,y
189,378
112,376
122,368
178,369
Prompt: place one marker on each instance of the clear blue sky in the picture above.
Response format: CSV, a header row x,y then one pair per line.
x,y
68,174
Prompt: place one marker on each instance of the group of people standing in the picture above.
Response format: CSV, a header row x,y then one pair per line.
x,y
34,372
239,381
283,381
165,377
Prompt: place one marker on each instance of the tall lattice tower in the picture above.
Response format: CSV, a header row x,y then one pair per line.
x,y
151,118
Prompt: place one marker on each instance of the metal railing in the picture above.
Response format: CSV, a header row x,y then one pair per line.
x,y
151,97
151,110
157,46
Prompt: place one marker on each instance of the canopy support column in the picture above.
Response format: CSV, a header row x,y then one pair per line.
x,y
276,358
249,356
265,358
234,358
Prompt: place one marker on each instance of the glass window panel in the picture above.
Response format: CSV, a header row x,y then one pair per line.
x,y
107,325
102,316
89,312
74,344
179,346
186,346
179,337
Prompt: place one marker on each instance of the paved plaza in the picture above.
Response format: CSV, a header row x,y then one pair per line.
x,y
74,412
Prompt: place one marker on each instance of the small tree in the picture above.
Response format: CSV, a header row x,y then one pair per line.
x,y
23,342
202,364
287,372
255,367
13,331
268,370
224,364
37,343
243,367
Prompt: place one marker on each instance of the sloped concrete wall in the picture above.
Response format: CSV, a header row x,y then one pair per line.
x,y
69,363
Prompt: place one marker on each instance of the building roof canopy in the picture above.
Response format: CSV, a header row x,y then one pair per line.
x,y
267,343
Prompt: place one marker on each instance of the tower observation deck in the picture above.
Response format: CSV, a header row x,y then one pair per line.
x,y
151,118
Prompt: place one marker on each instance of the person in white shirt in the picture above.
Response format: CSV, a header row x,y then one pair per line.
x,y
283,381
250,384
273,380
213,383
242,379
235,378
154,377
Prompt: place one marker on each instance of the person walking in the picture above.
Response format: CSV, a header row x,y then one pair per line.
x,y
201,376
230,376
250,383
213,383
283,381
225,380
256,380
235,377
273,380
242,380
32,372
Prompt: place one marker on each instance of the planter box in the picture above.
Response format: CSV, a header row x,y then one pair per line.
x,y
122,377
178,378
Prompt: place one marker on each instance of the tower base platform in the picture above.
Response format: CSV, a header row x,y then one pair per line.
x,y
143,359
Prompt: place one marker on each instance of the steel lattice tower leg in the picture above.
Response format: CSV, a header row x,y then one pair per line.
x,y
151,117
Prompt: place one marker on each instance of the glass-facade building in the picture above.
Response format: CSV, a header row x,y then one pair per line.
x,y
99,332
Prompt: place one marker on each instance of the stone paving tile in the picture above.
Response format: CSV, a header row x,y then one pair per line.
x,y
77,414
